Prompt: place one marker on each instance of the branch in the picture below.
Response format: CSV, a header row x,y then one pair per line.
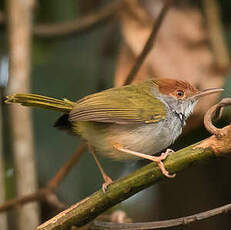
x,y
89,208
215,112
22,200
41,194
149,43
99,225
47,193
57,179
79,24
216,34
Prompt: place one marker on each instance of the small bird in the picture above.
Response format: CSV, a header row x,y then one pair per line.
x,y
129,122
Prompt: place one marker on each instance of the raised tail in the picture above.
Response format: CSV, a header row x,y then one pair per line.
x,y
39,101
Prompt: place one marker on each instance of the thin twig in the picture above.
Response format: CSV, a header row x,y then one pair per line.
x,y
39,194
99,225
79,24
216,34
53,200
213,113
55,181
47,193
149,43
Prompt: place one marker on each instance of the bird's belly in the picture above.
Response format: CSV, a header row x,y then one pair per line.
x,y
144,138
149,139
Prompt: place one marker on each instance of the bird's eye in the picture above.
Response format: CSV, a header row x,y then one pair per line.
x,y
180,93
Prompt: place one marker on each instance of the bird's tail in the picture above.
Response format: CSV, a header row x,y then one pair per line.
x,y
44,102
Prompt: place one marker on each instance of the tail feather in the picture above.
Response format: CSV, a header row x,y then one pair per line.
x,y
44,102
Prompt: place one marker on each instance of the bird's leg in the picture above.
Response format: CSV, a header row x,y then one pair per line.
x,y
107,179
157,159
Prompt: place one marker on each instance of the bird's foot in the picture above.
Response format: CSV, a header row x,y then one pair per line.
x,y
107,182
159,162
156,159
165,154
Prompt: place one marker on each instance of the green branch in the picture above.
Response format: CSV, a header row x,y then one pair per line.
x,y
92,206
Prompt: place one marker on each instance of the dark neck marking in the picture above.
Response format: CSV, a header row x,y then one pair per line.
x,y
182,118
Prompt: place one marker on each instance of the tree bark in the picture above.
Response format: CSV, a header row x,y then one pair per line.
x,y
19,35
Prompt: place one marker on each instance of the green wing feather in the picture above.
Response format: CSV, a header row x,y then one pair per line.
x,y
124,105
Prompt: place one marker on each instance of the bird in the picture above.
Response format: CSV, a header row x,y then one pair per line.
x,y
126,123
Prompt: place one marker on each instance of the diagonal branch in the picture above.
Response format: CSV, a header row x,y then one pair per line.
x,y
89,208
216,34
57,179
47,193
149,43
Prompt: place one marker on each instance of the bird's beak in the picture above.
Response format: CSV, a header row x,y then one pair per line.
x,y
206,92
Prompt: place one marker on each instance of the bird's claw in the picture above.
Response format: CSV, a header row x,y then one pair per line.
x,y
165,154
107,182
159,160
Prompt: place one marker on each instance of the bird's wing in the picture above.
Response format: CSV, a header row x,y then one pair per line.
x,y
124,105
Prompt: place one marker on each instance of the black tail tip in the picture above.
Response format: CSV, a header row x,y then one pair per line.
x,y
63,123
